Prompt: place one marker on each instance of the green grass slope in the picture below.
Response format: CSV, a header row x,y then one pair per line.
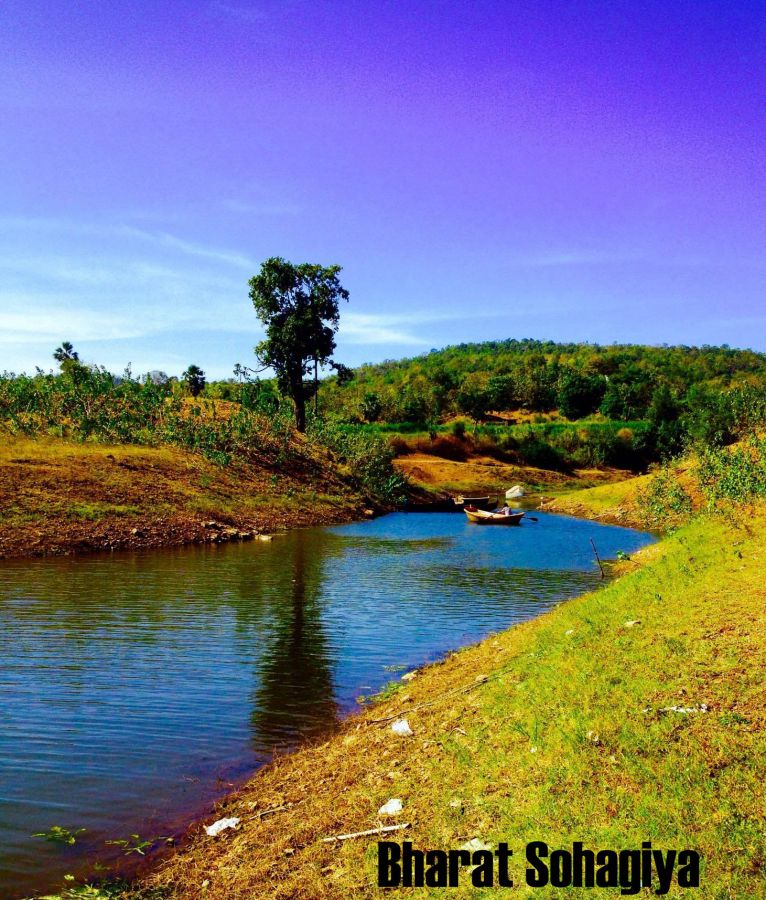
x,y
634,713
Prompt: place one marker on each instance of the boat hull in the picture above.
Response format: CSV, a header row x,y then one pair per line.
x,y
480,517
486,503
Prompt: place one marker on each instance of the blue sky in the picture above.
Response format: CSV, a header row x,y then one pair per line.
x,y
565,170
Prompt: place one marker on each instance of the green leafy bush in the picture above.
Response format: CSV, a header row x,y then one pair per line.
x,y
665,502
368,457
736,474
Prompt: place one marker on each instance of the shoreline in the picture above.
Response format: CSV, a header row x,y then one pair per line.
x,y
447,774
60,498
413,692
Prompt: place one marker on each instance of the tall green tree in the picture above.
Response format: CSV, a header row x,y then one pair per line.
x,y
299,307
194,378
579,395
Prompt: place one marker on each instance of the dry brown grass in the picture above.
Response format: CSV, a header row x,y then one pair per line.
x,y
58,496
485,474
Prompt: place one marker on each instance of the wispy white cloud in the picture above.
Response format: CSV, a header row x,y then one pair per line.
x,y
403,329
361,328
158,239
554,258
576,257
170,241
44,324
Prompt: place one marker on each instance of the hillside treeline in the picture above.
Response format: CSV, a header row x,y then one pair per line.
x,y
632,405
621,382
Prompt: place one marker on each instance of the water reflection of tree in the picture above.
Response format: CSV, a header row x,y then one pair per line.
x,y
294,695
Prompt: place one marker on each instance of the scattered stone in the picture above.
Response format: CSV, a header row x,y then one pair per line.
x,y
685,710
593,737
569,631
265,537
408,676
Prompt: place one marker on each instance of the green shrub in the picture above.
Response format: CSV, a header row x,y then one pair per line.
x,y
665,502
736,474
458,429
368,456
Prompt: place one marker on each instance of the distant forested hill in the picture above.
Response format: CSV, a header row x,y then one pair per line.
x,y
620,382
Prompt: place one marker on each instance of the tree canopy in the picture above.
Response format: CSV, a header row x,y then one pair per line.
x,y
299,307
195,381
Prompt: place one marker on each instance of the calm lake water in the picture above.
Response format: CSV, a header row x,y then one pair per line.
x,y
135,687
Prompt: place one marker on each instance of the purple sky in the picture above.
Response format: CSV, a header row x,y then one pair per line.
x,y
566,170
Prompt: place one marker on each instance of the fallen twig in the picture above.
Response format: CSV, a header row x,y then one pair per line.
x,y
463,689
270,812
356,834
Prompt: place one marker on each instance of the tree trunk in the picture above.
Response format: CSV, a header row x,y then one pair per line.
x,y
300,409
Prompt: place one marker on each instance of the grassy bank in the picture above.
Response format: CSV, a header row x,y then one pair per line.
x,y
618,502
64,496
60,496
633,713
479,474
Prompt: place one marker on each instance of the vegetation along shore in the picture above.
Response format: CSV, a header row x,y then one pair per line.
x,y
633,713
630,714
96,461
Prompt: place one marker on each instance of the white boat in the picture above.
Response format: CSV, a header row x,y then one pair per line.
x,y
482,517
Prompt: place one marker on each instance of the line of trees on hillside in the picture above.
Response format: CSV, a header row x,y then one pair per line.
x,y
651,401
706,392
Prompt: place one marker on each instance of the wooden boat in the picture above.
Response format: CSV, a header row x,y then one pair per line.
x,y
482,517
433,506
477,502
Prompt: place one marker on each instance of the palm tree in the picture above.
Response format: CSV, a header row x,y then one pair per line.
x,y
195,380
66,353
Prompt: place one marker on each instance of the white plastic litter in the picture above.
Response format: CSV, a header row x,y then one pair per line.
x,y
402,728
685,710
221,825
392,808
